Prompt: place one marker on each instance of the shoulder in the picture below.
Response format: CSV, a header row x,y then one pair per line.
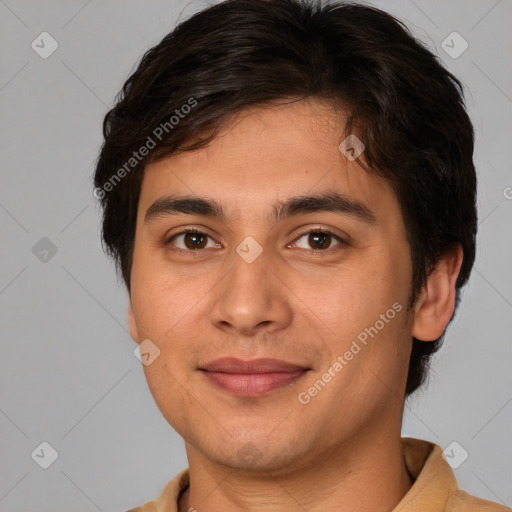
x,y
435,487
168,498
461,501
150,506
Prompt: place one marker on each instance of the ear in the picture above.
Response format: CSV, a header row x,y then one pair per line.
x,y
134,332
436,303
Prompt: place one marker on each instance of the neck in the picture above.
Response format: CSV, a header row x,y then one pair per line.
x,y
361,475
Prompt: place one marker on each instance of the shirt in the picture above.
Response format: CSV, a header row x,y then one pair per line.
x,y
435,487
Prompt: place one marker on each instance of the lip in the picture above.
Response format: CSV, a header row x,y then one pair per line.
x,y
262,365
252,378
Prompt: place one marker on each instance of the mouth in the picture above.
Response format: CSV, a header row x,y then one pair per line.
x,y
252,378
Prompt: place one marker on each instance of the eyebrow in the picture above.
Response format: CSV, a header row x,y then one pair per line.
x,y
325,202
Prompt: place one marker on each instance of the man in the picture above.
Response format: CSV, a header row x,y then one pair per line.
x,y
289,193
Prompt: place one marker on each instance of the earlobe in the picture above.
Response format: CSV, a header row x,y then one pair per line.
x,y
134,333
436,303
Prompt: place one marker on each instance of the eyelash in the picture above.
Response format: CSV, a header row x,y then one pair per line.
x,y
316,231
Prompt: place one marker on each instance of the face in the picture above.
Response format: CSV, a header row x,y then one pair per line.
x,y
298,255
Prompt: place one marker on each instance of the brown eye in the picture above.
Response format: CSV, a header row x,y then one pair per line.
x,y
195,241
192,241
318,241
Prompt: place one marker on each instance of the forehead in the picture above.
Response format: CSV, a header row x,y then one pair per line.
x,y
269,154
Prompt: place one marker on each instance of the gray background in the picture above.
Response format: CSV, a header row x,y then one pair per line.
x,y
69,376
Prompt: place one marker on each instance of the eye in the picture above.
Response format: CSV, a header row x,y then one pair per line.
x,y
318,240
191,240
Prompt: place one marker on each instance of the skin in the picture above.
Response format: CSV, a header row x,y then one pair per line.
x,y
342,450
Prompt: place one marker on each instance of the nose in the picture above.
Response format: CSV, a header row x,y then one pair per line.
x,y
252,300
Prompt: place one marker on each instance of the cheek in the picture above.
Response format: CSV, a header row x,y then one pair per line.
x,y
169,391
356,295
365,305
161,298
